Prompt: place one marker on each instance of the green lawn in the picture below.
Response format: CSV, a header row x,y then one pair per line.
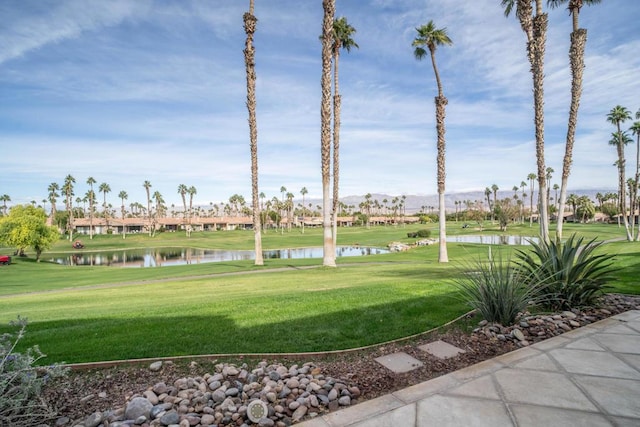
x,y
106,313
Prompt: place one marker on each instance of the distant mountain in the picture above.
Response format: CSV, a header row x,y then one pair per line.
x,y
414,203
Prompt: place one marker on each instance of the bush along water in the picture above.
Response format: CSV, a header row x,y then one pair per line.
x,y
567,274
21,382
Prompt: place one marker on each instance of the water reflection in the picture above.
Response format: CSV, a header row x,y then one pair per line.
x,y
164,257
493,240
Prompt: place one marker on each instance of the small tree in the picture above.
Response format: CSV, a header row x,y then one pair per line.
x,y
505,212
25,227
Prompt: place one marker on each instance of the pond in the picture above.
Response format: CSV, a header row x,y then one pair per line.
x,y
164,257
492,240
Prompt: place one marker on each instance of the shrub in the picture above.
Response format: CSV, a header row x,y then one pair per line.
x,y
21,382
497,290
424,233
570,273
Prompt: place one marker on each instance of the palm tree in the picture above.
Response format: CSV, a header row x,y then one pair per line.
x,y
523,185
91,196
616,116
123,196
304,192
532,184
342,39
67,190
182,190
157,197
430,37
534,25
328,248
548,175
4,199
576,58
250,22
192,192
53,197
104,189
494,191
147,187
635,129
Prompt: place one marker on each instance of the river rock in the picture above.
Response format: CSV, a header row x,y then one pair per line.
x,y
136,407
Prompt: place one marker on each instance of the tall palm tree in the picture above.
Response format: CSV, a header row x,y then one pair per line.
x,y
494,191
104,189
250,22
428,39
534,25
616,116
122,195
160,208
91,196
328,247
549,174
4,199
635,129
182,190
147,188
304,192
192,192
576,58
67,190
532,185
342,39
53,198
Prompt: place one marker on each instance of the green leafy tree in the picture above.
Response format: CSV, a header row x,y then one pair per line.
x,y
428,39
25,227
505,212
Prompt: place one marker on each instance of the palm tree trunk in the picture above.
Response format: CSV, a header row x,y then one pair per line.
x,y
441,103
621,185
536,52
576,56
329,253
336,145
249,61
637,183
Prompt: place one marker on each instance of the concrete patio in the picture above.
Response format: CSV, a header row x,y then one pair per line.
x,y
587,377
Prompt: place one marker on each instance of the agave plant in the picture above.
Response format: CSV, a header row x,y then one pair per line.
x,y
497,290
572,274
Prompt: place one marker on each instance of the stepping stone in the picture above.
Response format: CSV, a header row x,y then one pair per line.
x,y
399,362
441,349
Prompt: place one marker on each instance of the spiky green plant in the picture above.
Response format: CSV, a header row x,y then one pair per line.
x,y
572,273
497,290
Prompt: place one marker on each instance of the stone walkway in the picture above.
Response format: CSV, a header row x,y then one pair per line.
x,y
589,376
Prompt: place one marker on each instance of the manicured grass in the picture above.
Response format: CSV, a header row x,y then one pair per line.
x,y
109,313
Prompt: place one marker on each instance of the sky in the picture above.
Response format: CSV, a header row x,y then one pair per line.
x,y
127,91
